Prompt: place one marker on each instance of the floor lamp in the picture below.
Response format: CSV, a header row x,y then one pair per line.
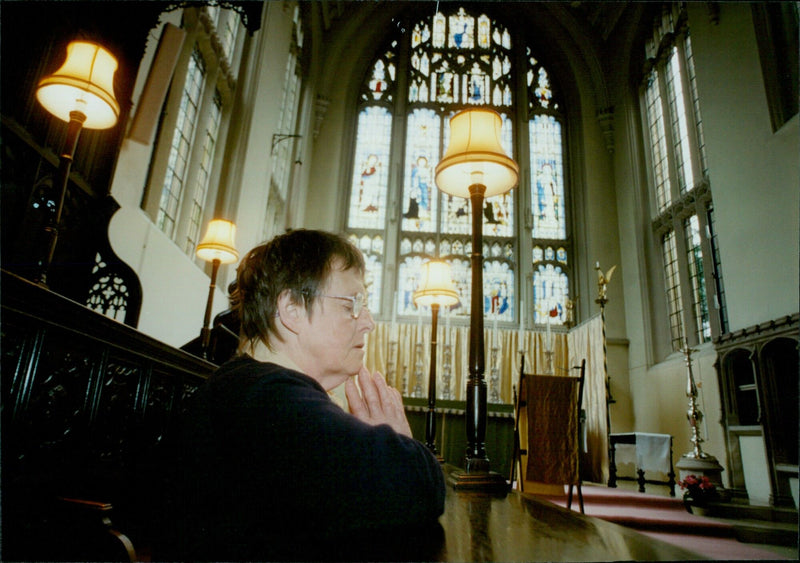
x,y
218,248
81,93
475,166
436,290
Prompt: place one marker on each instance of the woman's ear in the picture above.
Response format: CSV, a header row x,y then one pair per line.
x,y
290,312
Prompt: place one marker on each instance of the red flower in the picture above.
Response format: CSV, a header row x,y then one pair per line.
x,y
698,489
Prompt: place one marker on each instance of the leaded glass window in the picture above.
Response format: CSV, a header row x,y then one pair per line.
x,y
204,174
694,261
183,181
682,217
456,58
673,286
182,139
549,243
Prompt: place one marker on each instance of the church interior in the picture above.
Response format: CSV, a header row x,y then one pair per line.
x,y
649,241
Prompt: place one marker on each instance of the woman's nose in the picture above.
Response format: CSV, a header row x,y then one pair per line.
x,y
367,316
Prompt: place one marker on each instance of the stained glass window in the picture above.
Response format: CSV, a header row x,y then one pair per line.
x,y
422,154
372,247
547,182
550,245
381,81
371,180
550,294
457,58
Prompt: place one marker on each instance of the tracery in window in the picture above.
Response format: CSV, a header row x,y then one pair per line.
x,y
381,82
456,58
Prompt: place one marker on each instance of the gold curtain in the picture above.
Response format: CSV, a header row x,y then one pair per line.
x,y
585,341
406,361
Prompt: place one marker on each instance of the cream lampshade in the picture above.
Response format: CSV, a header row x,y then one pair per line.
x,y
84,83
475,155
218,243
436,286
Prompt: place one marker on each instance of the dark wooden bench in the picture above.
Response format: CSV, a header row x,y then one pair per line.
x,y
86,403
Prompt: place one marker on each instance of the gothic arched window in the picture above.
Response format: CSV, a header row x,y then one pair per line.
x,y
453,60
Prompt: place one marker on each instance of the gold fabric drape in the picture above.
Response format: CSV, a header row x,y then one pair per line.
x,y
407,369
585,341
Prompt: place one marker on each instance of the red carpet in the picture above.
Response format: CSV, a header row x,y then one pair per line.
x,y
666,519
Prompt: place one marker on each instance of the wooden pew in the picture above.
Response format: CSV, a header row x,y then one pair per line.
x,y
86,401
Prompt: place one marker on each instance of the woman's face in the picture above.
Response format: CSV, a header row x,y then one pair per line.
x,y
332,340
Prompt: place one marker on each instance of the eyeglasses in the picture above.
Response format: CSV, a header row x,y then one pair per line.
x,y
359,301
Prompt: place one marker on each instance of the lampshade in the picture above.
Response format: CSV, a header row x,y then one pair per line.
x,y
84,83
436,285
218,243
475,148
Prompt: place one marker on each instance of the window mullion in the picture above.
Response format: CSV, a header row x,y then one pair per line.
x,y
524,219
395,185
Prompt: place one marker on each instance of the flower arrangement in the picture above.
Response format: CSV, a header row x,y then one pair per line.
x,y
698,490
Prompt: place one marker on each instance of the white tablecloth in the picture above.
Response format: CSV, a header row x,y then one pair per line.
x,y
651,452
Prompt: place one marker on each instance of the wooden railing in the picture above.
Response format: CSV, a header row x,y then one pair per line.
x,y
86,401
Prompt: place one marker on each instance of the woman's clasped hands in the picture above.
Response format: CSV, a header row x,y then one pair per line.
x,y
377,403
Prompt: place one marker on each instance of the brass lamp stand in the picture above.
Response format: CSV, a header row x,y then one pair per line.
x,y
476,166
436,290
81,93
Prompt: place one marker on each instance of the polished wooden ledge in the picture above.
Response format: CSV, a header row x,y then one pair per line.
x,y
520,527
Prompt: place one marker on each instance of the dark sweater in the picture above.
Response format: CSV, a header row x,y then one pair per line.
x,y
269,467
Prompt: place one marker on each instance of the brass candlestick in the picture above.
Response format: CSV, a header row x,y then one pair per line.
x,y
693,414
